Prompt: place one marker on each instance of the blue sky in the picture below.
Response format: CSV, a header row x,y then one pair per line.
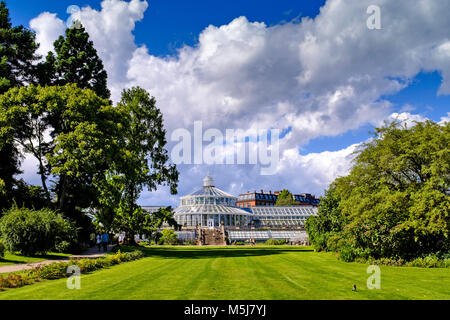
x,y
310,68
171,23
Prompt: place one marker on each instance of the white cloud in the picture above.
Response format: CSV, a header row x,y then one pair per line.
x,y
445,119
406,118
48,28
315,171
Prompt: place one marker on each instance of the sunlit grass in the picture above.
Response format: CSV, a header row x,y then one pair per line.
x,y
171,273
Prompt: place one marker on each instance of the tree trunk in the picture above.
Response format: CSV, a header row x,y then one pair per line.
x,y
129,239
62,193
43,180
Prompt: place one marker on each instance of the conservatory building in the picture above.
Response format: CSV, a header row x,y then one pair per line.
x,y
210,207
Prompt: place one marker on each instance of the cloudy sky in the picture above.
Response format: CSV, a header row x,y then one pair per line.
x,y
312,69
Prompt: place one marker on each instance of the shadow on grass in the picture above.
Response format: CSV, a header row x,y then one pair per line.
x,y
179,252
33,259
8,261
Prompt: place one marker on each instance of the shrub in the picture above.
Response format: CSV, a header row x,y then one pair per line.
x,y
347,254
2,249
13,280
168,236
429,261
275,242
190,242
36,231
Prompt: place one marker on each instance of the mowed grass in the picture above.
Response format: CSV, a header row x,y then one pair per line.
x,y
242,273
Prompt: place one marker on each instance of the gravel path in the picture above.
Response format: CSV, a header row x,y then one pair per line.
x,y
92,253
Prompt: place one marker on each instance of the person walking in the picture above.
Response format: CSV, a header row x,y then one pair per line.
x,y
99,242
105,241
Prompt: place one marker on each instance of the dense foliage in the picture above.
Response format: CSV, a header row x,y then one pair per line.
x,y
285,198
17,68
2,249
76,61
140,161
90,155
275,242
37,231
395,202
168,236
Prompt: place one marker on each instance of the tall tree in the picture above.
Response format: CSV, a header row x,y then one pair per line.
x,y
65,115
17,56
17,53
76,61
142,162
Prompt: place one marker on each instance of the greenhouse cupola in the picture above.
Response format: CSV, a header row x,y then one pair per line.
x,y
210,207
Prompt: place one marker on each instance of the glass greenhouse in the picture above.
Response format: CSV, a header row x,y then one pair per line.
x,y
210,207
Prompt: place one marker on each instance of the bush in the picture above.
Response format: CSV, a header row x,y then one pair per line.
x,y
2,249
36,231
13,280
190,242
275,242
168,236
429,261
347,254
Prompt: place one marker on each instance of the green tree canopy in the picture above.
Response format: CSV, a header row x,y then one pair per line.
x,y
141,162
76,61
395,201
17,53
70,132
17,57
285,198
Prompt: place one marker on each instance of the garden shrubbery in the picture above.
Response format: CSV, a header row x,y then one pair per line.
x,y
169,237
37,231
275,242
58,270
393,207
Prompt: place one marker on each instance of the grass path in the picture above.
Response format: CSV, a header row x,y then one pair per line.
x,y
242,273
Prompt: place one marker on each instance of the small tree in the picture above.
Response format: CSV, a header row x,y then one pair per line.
x,y
285,198
168,236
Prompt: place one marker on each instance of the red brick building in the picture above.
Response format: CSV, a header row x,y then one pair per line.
x,y
256,199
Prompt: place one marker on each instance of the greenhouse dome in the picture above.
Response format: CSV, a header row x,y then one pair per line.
x,y
210,207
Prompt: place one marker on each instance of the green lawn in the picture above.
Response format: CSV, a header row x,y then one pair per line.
x,y
242,273
10,258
